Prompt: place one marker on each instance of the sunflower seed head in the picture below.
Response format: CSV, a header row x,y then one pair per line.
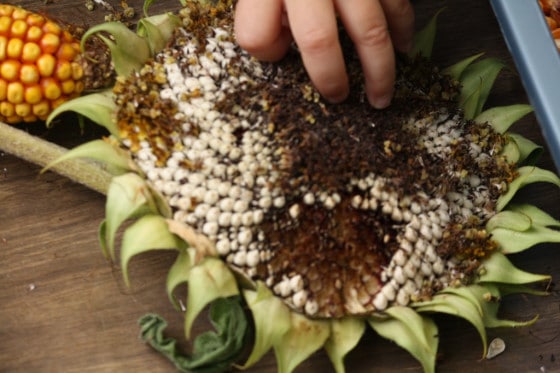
x,y
339,210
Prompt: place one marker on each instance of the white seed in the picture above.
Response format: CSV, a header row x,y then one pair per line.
x,y
410,234
389,292
403,298
253,257
438,266
223,246
223,188
380,302
240,258
309,198
279,202
201,210
294,211
236,219
258,216
299,298
426,231
213,214
240,206
245,236
265,202
399,258
235,192
211,197
226,204
356,201
296,283
224,220
329,203
398,275
282,288
311,308
247,218
210,229
426,269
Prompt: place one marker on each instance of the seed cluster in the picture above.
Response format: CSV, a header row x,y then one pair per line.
x,y
338,209
39,66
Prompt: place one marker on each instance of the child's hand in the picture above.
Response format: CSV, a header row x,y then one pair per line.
x,y
265,28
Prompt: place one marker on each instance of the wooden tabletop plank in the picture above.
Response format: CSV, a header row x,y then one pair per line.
x,y
64,308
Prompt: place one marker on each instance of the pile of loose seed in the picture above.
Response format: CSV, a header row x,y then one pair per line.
x,y
338,209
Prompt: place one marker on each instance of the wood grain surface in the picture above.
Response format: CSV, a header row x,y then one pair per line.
x,y
63,308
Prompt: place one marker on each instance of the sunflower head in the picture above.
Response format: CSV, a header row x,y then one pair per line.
x,y
325,217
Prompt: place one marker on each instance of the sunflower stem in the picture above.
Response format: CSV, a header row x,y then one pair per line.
x,y
41,152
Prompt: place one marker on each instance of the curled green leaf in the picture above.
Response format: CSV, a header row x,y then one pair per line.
x,y
415,333
502,117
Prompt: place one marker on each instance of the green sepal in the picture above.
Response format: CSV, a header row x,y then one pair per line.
x,y
304,337
158,30
147,233
521,227
529,152
266,307
415,333
502,117
511,220
423,41
457,304
498,269
178,274
129,51
511,152
490,296
345,335
208,280
128,197
477,81
116,160
98,107
527,175
213,351
456,70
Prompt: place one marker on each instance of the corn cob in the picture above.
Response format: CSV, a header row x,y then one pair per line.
x,y
40,65
320,211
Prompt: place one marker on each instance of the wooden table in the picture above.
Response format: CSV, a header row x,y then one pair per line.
x,y
63,308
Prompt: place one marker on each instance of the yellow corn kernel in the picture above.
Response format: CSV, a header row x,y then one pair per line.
x,y
3,89
67,37
41,109
19,28
31,118
33,94
79,87
28,74
50,43
30,52
63,70
14,48
34,33
6,109
77,71
23,110
57,103
14,94
19,13
46,64
5,24
51,89
6,10
35,19
66,52
3,44
51,27
9,70
68,86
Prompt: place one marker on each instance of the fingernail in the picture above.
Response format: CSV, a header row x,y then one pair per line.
x,y
380,102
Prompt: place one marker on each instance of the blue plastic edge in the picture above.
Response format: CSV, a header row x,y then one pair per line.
x,y
537,59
